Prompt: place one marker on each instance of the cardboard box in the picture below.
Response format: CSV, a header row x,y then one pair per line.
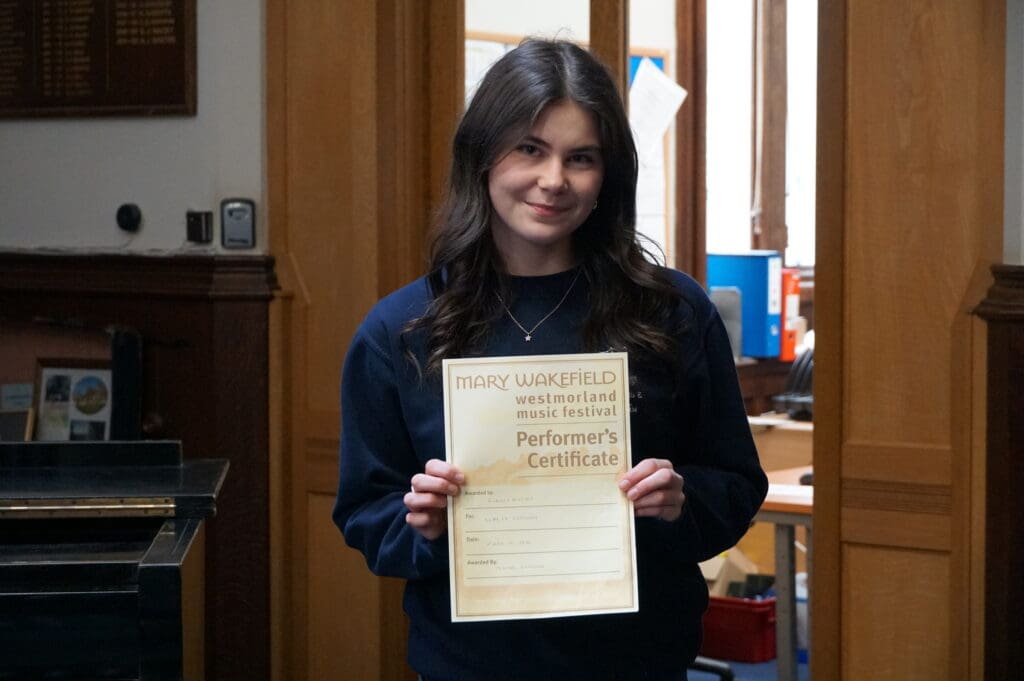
x,y
731,566
738,629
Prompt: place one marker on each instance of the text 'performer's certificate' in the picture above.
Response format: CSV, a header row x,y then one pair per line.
x,y
541,528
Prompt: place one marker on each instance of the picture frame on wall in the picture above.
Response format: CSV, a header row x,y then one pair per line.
x,y
16,425
74,399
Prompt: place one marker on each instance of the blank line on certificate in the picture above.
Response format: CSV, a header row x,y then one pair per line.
x,y
550,574
535,529
505,508
527,553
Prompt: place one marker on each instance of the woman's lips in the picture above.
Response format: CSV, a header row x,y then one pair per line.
x,y
546,210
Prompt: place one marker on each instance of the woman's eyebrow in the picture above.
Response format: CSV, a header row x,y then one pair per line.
x,y
537,141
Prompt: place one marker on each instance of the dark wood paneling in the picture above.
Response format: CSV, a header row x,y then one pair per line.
x,y
760,381
203,322
1003,309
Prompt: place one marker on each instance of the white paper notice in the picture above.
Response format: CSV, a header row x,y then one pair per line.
x,y
654,99
541,528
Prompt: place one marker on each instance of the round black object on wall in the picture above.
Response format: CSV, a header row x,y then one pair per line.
x,y
129,217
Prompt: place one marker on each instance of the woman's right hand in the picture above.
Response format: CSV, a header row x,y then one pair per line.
x,y
428,499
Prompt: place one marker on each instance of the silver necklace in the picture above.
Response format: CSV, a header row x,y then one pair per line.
x,y
529,332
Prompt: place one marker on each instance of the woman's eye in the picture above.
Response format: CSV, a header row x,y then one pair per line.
x,y
529,149
581,159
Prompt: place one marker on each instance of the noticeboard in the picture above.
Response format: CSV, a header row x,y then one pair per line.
x,y
97,58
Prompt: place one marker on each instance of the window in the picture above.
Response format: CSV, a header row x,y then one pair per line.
x,y
760,130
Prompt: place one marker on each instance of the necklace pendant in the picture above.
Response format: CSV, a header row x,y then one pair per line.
x,y
528,338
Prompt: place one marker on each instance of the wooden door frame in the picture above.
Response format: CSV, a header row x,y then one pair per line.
x,y
691,139
826,577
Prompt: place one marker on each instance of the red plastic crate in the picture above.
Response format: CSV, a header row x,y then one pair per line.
x,y
739,629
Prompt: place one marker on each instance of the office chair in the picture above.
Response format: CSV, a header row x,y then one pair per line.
x,y
706,664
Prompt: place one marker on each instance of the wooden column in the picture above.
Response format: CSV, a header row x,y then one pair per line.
x,y
691,142
1003,310
769,149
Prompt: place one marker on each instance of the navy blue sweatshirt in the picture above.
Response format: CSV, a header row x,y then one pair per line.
x,y
690,413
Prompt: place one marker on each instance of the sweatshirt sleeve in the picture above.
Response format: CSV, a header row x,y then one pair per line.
x,y
722,476
376,467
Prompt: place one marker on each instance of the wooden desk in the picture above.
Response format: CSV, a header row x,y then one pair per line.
x,y
787,505
781,441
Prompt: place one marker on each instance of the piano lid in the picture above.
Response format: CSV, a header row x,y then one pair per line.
x,y
106,478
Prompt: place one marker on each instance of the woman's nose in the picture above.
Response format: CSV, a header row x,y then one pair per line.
x,y
552,176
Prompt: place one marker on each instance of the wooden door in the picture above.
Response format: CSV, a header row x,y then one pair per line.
x,y
361,100
910,143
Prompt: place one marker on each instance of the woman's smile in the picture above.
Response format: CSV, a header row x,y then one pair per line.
x,y
546,210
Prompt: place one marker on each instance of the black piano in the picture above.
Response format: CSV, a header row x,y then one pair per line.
x,y
101,559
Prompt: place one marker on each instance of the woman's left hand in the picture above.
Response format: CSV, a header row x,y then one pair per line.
x,y
655,489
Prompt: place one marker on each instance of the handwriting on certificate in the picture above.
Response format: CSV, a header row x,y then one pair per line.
x,y
541,528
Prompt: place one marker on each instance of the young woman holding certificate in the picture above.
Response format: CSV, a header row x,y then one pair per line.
x,y
536,253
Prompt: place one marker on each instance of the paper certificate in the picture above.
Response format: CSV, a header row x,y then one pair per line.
x,y
541,528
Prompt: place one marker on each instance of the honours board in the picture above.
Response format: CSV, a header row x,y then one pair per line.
x,y
97,57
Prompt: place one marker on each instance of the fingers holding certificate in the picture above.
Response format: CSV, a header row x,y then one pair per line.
x,y
541,527
427,499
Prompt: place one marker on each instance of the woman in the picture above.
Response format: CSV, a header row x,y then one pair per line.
x,y
536,253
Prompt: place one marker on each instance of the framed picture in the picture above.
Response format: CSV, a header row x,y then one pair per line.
x,y
73,399
16,425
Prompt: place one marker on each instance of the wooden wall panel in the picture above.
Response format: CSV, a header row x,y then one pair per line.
x,y
881,460
917,183
332,180
339,647
894,626
896,529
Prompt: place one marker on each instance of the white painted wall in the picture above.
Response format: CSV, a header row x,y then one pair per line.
x,y
1013,188
567,19
61,181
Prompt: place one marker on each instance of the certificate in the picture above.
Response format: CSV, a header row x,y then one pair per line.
x,y
541,528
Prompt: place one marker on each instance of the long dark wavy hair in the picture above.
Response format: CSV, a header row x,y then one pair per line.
x,y
629,297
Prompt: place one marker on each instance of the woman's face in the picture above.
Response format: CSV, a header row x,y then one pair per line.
x,y
544,188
